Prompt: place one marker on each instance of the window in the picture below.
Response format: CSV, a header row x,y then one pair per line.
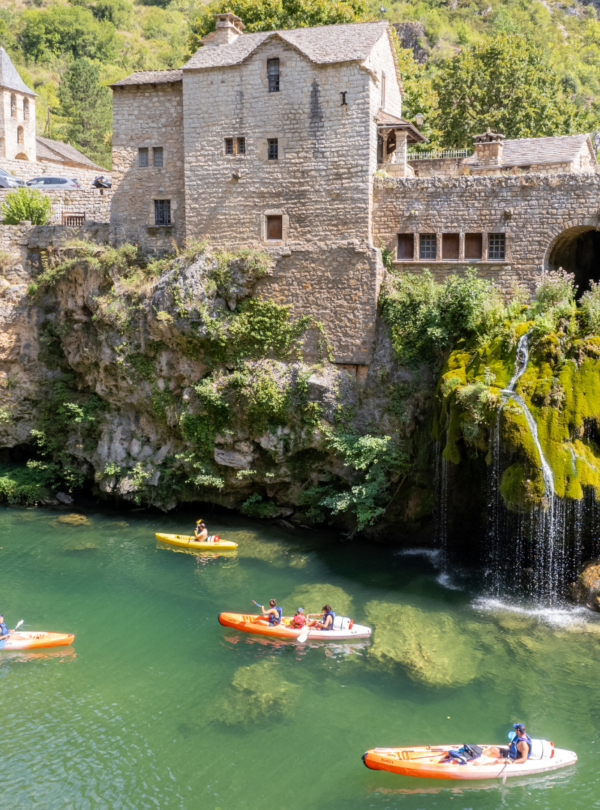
x,y
427,246
496,246
273,75
273,149
25,109
229,146
143,158
241,146
383,88
275,227
450,246
20,135
162,212
406,246
13,105
473,246
157,156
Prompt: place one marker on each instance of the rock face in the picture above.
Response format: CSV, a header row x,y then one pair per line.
x,y
586,591
412,37
165,382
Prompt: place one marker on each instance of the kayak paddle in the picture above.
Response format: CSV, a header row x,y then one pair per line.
x,y
17,626
304,635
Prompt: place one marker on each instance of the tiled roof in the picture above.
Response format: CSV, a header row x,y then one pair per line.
x,y
556,149
385,120
58,151
9,76
326,44
532,151
150,77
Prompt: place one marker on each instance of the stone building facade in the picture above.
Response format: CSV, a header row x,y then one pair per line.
x,y
293,142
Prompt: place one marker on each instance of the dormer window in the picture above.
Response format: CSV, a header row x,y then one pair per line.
x,y
273,75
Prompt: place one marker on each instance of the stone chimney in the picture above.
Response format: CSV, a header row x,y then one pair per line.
x,y
488,148
228,28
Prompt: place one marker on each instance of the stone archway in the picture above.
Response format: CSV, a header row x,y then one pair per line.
x,y
577,250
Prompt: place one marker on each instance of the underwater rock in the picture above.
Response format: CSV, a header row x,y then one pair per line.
x,y
433,648
586,591
313,597
257,693
72,520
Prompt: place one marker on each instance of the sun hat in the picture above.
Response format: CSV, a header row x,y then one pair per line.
x,y
300,610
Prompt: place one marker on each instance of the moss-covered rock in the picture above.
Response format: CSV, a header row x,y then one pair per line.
x,y
257,693
586,591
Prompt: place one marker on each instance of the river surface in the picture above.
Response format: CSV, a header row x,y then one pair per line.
x,y
156,705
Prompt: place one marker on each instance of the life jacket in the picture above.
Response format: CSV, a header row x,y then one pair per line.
x,y
513,751
299,620
325,615
272,619
3,629
465,754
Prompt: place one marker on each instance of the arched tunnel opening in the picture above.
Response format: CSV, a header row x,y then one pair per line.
x,y
578,251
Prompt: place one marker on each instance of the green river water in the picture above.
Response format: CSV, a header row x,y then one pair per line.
x,y
156,705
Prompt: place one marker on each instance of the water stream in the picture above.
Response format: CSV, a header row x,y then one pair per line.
x,y
158,706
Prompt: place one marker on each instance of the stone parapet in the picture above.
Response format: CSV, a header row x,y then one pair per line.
x,y
93,204
26,170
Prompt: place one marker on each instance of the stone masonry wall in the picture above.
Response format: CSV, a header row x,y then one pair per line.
x,y
94,203
147,116
320,184
10,124
531,210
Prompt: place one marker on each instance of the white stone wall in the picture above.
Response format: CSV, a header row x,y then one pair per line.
x,y
10,126
147,116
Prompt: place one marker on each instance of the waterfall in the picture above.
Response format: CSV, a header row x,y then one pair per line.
x,y
441,500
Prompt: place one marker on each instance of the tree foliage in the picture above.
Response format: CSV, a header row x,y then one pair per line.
x,y
67,30
507,84
419,95
26,204
87,106
271,15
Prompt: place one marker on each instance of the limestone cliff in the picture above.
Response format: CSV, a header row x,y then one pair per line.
x,y
167,381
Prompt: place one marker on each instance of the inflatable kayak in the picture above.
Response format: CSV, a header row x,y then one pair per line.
x,y
427,762
211,543
35,640
344,628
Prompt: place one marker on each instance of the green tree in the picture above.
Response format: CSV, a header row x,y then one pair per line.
x,y
270,15
505,83
419,95
26,204
67,30
86,104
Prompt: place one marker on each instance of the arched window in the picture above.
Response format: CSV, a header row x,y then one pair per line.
x,y
20,135
25,109
13,105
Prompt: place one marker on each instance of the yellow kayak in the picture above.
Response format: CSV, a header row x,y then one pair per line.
x,y
212,543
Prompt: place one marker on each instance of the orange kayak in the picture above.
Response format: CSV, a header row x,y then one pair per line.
x,y
426,762
36,639
252,623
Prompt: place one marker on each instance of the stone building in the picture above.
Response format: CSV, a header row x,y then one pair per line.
x,y
269,140
293,141
24,153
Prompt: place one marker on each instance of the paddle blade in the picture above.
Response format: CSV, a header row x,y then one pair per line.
x,y
19,624
303,635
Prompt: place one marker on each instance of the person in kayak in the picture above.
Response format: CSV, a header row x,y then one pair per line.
x,y
200,532
298,619
519,750
274,613
328,617
4,634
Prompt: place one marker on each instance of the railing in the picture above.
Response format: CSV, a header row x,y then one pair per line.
x,y
440,153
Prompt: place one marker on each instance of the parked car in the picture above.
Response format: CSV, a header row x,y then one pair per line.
x,y
102,182
53,182
7,180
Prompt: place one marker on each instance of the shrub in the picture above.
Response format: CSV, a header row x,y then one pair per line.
x,y
26,204
556,288
590,307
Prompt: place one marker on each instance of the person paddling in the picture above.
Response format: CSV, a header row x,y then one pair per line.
x,y
328,619
274,613
200,532
519,750
4,633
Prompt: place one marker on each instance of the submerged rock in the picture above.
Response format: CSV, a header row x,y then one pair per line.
x,y
433,648
72,520
257,693
586,591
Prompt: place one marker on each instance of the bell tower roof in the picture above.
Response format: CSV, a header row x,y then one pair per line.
x,y
9,77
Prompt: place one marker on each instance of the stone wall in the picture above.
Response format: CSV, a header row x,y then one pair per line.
x,y
94,203
533,211
11,125
148,116
25,170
